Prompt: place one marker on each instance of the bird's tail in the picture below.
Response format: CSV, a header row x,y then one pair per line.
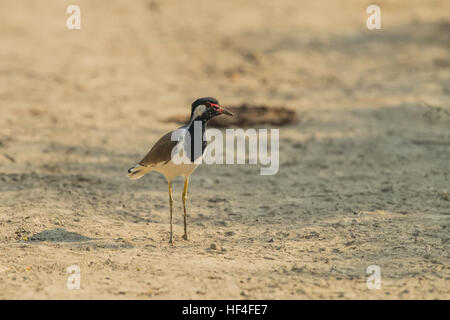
x,y
137,172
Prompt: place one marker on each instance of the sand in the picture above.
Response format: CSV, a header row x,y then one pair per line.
x,y
364,172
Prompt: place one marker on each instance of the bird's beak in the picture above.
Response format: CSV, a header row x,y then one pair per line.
x,y
225,111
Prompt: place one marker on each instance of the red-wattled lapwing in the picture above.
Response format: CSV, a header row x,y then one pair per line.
x,y
160,159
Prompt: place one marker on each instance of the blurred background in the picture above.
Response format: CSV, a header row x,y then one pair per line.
x,y
371,144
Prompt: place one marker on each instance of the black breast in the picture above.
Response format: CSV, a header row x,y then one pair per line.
x,y
196,147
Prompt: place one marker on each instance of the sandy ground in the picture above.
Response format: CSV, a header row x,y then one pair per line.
x,y
364,173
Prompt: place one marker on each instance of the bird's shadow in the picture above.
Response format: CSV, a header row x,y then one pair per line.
x,y
58,235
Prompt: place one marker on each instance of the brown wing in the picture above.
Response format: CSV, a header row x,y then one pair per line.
x,y
161,151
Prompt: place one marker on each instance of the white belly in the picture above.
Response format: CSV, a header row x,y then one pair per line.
x,y
171,170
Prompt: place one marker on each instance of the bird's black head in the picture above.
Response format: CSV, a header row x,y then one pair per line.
x,y
207,108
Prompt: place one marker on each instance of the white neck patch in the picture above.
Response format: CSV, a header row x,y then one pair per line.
x,y
199,111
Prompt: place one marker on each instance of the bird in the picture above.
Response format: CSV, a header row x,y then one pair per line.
x,y
160,157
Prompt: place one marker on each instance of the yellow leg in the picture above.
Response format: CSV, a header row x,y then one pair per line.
x,y
171,206
186,183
